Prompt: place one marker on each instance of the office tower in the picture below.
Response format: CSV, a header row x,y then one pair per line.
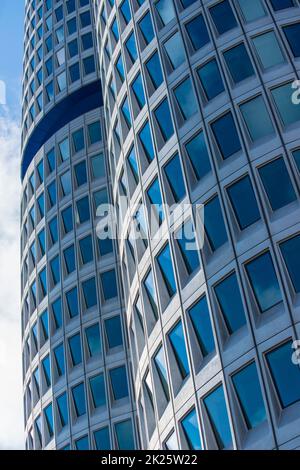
x,y
200,108
77,388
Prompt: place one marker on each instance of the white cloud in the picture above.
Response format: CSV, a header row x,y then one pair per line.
x,y
11,402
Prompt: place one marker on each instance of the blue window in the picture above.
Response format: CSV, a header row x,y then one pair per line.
x,y
226,135
75,349
113,332
176,337
82,443
214,224
87,41
175,50
85,19
64,149
154,195
239,63
125,9
198,154
59,356
55,270
154,69
274,175
97,386
138,89
211,79
102,439
285,374
57,313
62,404
146,28
93,340
292,35
98,166
191,430
86,249
166,267
151,292
165,10
42,242
51,189
49,419
186,99
282,4
188,248
164,120
73,48
126,112
120,68
47,370
94,132
290,250
105,246
160,363
200,317
115,30
131,158
146,141
90,293
38,430
268,50
288,112
67,218
223,17
44,324
252,10
257,118
131,47
78,140
124,435
66,184
72,302
118,379
51,160
197,31
217,412
79,399
243,200
109,285
174,176
43,283
263,279
74,72
230,303
80,173
247,387
89,65
83,210
69,257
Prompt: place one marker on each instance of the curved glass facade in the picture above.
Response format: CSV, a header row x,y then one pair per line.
x,y
76,368
198,103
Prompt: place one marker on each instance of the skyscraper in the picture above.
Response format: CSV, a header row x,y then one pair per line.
x,y
158,342
77,388
198,101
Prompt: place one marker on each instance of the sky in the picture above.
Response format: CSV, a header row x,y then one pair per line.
x,y
11,53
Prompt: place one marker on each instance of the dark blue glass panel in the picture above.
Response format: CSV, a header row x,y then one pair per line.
x,y
217,412
79,399
197,31
154,69
264,282
177,341
226,136
292,33
166,267
214,224
109,285
102,439
244,202
93,340
113,332
274,175
59,355
62,404
72,302
98,390
247,386
223,17
90,292
124,434
239,63
200,317
230,302
175,178
211,79
75,349
291,254
198,154
118,378
191,430
285,373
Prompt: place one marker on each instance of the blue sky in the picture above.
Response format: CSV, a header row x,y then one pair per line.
x,y
11,53
11,50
